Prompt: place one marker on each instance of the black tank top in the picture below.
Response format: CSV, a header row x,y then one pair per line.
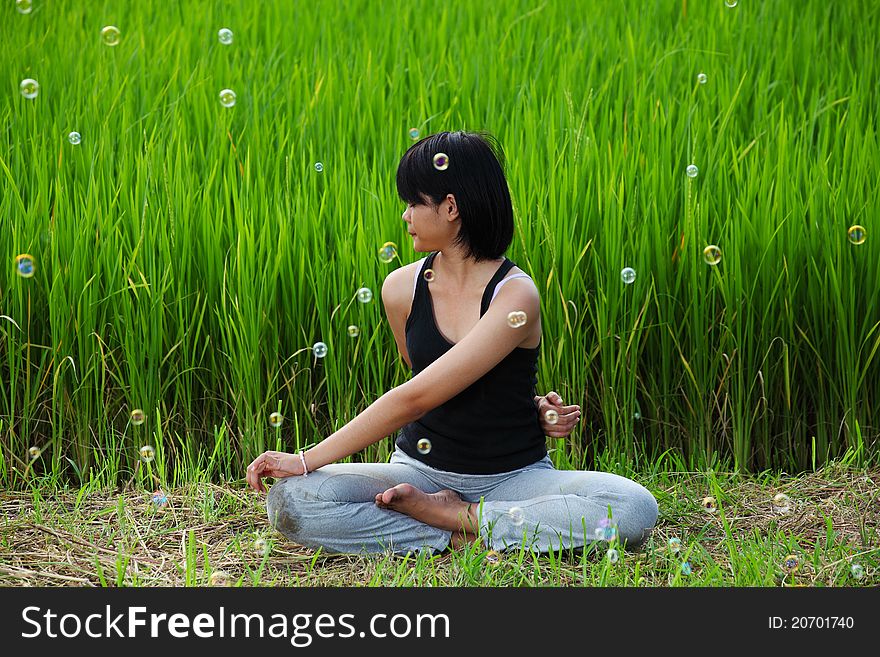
x,y
490,427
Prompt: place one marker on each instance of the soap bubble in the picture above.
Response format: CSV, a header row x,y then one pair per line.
x,y
637,416
791,563
493,558
856,234
159,500
612,555
388,252
319,167
24,6
441,161
428,275
225,36
781,503
606,530
110,35
517,319
138,417
219,578
701,78
857,571
147,453
628,275
709,504
414,133
29,88
424,446
686,568
353,331
261,547
320,349
674,545
24,265
34,453
692,171
730,3
712,255
74,138
365,295
275,419
227,97
551,416
517,517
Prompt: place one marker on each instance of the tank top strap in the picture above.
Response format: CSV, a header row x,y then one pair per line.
x,y
505,267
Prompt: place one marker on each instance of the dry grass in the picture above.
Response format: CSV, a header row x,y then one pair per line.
x,y
92,539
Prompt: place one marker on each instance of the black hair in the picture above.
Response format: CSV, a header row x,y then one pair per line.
x,y
475,176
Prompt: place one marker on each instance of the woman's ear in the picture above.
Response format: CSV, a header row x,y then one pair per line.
x,y
451,210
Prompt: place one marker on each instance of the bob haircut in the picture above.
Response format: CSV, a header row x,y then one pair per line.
x,y
475,176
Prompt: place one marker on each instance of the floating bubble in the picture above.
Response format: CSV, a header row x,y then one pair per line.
x,y
365,295
110,35
781,503
709,504
74,138
606,530
857,571
24,6
227,97
674,545
730,3
692,171
424,446
517,517
441,161
225,36
517,319
219,578
413,133
319,167
637,416
493,558
261,547
791,563
701,78
138,416
353,331
856,234
159,500
612,555
712,255
428,275
551,416
628,275
24,265
147,453
388,252
34,452
686,568
29,88
275,419
320,349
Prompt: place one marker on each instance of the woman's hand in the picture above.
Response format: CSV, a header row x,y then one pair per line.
x,y
568,415
272,464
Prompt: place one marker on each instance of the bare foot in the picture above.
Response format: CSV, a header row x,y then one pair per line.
x,y
444,509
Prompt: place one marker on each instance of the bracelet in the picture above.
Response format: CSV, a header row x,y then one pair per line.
x,y
305,467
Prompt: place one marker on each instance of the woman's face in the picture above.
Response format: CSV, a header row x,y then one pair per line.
x,y
431,227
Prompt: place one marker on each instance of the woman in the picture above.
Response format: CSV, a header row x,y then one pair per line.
x,y
470,460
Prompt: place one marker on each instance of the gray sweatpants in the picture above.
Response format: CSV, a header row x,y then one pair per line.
x,y
537,506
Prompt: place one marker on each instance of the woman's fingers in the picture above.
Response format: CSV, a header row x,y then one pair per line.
x,y
255,472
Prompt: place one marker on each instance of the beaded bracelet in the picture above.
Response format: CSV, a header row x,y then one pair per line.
x,y
305,468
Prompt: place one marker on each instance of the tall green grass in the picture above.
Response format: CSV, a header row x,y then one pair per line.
x,y
189,255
